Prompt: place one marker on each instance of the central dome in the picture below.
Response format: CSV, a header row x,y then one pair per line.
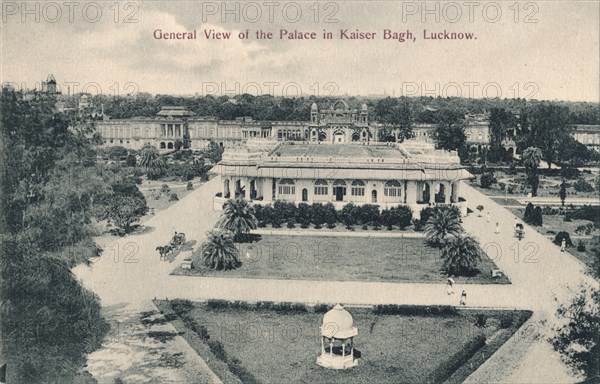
x,y
338,323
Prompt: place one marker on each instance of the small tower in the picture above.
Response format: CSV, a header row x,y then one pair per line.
x,y
314,113
337,340
49,86
364,113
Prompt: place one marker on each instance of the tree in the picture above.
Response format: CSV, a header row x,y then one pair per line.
x,y
330,215
486,180
578,338
303,215
125,210
500,121
538,217
528,216
214,152
549,129
49,195
449,132
531,159
402,216
348,215
317,215
563,192
219,251
460,255
238,217
152,162
442,223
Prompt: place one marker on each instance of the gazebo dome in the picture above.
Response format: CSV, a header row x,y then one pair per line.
x,y
338,323
364,107
314,107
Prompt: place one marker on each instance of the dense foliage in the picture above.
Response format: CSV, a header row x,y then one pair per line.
x,y
52,191
578,338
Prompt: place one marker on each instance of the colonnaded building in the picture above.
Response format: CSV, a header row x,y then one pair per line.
x,y
412,173
339,123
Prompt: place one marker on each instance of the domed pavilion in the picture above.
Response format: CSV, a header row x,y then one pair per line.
x,y
337,339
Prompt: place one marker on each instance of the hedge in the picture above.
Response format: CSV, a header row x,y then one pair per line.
x,y
447,368
415,310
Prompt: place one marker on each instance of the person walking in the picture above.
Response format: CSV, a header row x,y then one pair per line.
x,y
487,216
497,231
463,298
449,285
563,245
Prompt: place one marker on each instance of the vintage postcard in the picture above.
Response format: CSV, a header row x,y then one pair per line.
x,y
304,191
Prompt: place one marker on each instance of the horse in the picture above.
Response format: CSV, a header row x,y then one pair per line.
x,y
163,251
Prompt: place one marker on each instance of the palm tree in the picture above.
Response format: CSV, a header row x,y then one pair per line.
x,y
442,223
219,251
461,255
238,217
150,158
532,157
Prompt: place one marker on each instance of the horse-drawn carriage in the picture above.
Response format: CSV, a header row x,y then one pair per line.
x,y
176,242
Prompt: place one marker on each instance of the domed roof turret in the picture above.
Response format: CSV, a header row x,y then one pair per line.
x,y
338,323
314,107
364,107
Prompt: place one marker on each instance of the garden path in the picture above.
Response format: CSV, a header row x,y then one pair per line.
x,y
535,284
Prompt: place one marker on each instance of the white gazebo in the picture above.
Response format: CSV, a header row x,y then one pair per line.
x,y
337,339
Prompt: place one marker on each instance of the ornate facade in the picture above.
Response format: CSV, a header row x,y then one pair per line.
x,y
412,174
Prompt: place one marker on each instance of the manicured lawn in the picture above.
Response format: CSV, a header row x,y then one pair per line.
x,y
342,259
282,347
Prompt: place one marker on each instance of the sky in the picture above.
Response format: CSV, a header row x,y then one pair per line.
x,y
533,50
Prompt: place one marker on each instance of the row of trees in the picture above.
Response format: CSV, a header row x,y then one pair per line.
x,y
319,214
460,254
267,107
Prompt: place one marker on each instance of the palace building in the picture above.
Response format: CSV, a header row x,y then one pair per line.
x,y
338,124
412,173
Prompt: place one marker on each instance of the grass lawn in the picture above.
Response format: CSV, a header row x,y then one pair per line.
x,y
342,259
281,347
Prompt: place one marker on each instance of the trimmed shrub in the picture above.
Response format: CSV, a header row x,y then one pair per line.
x,y
581,185
321,308
486,180
218,304
190,186
581,246
563,235
173,197
528,216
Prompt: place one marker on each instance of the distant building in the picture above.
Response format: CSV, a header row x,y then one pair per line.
x,y
589,135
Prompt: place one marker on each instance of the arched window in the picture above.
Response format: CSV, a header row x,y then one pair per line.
x,y
287,187
339,182
279,136
358,188
321,187
392,188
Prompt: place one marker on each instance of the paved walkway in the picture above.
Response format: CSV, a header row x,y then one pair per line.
x,y
130,273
